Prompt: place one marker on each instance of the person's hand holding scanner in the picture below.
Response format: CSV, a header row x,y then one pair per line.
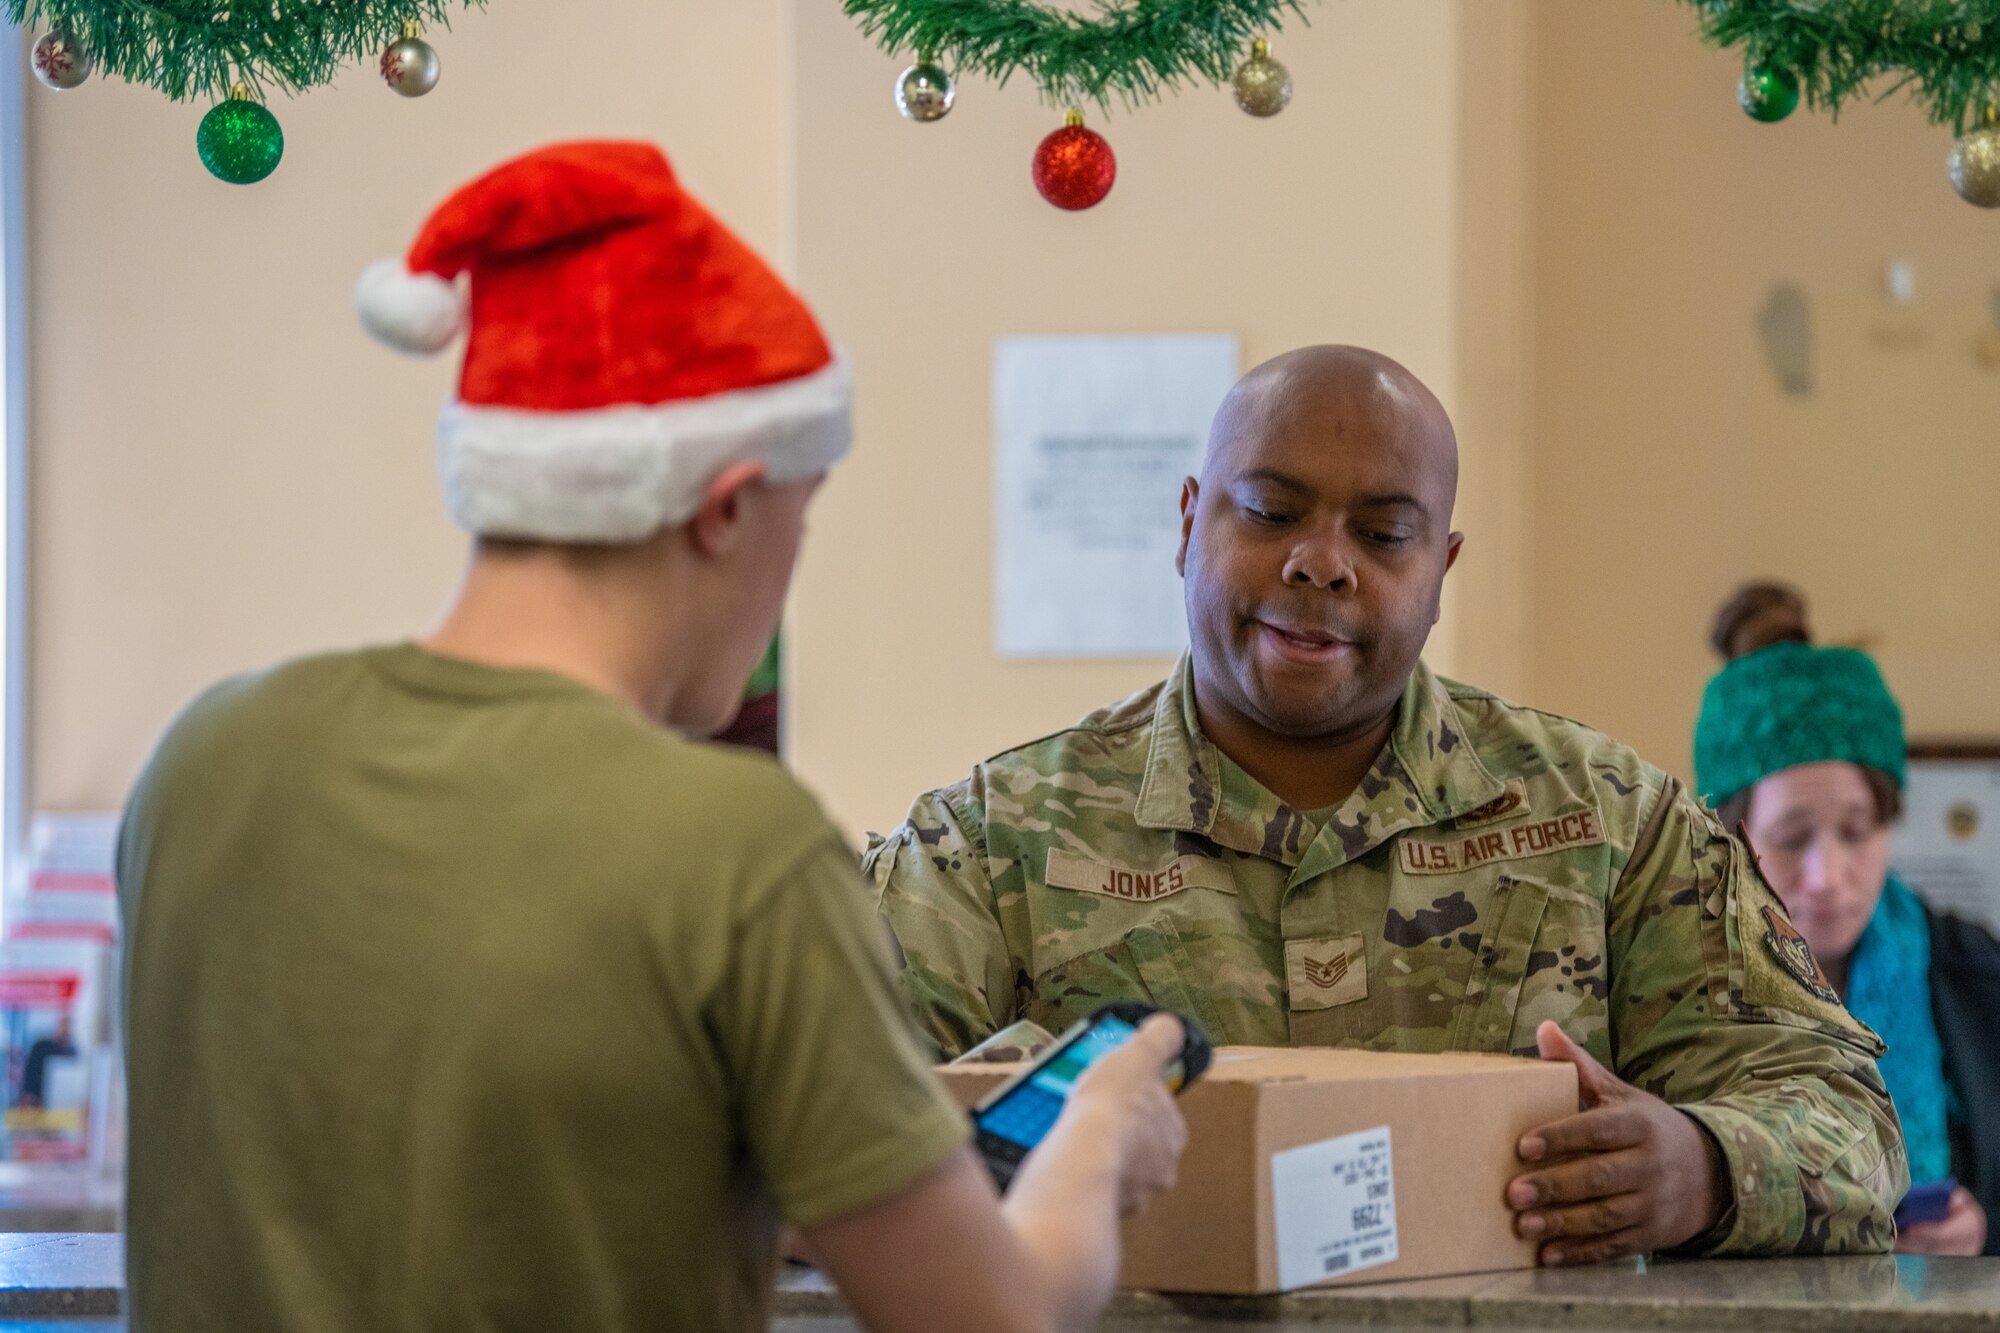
x,y
1125,1117
946,1254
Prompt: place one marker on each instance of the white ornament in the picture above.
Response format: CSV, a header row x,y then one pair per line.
x,y
59,61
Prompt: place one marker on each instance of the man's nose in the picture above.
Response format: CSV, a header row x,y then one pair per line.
x,y
1320,562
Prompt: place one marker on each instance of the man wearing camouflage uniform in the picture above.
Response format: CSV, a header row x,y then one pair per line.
x,y
1304,836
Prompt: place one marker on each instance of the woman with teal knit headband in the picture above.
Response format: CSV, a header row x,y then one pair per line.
x,y
1802,748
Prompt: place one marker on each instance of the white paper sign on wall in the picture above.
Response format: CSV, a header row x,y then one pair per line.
x,y
1092,438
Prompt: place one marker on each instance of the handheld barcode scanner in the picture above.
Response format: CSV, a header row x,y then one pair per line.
x,y
1018,1114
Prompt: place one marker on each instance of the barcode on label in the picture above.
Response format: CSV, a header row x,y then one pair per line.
x,y
1336,1262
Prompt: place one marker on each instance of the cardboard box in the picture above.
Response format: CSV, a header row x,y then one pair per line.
x,y
1319,1167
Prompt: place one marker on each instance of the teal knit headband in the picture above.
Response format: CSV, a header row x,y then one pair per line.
x,y
1792,704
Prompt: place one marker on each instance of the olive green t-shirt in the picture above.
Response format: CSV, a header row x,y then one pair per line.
x,y
462,998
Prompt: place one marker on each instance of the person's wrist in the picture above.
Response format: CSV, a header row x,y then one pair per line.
x,y
1711,1198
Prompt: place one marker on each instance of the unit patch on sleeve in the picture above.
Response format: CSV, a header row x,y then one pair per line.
x,y
1469,850
1796,956
1066,870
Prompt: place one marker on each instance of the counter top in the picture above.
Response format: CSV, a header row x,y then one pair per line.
x,y
45,1276
1766,1295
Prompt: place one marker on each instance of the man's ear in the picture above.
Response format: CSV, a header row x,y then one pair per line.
x,y
1451,550
1190,492
717,526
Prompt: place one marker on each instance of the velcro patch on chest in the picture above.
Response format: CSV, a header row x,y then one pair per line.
x,y
1065,870
1325,973
1511,803
1460,852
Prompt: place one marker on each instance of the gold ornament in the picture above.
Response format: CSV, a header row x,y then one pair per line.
x,y
1263,86
1975,162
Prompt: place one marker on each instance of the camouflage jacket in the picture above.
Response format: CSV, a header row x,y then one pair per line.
x,y
1500,866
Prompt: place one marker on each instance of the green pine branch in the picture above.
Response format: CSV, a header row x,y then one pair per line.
x,y
196,48
1135,50
1945,54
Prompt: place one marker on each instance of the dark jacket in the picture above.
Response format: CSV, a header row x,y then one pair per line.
x,y
1965,999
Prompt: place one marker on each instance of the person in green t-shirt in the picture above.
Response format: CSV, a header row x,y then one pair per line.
x,y
463,991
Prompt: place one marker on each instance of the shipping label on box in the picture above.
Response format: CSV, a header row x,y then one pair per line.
x,y
1333,1207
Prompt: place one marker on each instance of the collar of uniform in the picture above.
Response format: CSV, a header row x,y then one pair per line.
x,y
1183,768
1426,774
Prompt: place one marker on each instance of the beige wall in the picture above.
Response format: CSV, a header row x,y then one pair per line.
x,y
256,479
226,471
1667,465
1489,597
1551,209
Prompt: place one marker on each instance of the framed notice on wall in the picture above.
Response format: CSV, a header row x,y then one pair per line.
x,y
1948,848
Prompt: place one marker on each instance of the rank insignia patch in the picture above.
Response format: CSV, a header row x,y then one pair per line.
x,y
1796,956
1325,973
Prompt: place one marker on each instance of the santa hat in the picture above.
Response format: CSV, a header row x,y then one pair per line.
x,y
624,347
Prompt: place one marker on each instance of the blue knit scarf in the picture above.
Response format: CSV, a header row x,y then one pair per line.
x,y
1889,989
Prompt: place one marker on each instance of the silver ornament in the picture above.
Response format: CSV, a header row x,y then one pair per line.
x,y
60,61
1263,86
924,92
410,66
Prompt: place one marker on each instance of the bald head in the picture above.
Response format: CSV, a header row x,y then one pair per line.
x,y
1315,544
1339,398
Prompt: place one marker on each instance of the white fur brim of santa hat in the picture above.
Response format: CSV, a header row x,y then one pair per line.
x,y
619,474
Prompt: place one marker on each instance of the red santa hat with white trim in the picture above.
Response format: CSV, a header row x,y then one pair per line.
x,y
624,347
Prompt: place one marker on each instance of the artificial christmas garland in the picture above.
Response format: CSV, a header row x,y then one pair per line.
x,y
1944,53
191,48
200,48
1133,50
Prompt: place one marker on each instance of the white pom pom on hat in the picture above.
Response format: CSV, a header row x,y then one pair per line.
x,y
418,313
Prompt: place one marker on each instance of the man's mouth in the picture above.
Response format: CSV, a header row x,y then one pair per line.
x,y
1306,644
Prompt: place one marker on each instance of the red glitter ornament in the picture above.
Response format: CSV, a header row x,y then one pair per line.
x,y
1074,167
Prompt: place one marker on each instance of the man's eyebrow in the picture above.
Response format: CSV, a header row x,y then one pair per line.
x,y
1283,480
1287,482
1393,500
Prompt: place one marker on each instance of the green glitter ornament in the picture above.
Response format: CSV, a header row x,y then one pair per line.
x,y
240,141
1768,93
